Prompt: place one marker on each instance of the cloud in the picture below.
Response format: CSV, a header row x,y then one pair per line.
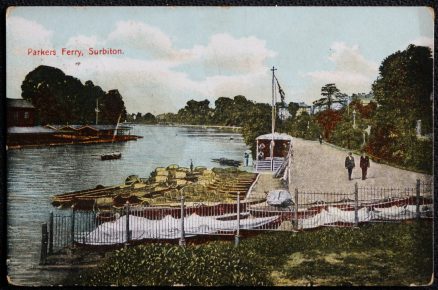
x,y
156,77
82,41
422,41
153,86
255,86
147,86
349,59
352,73
146,38
22,35
237,55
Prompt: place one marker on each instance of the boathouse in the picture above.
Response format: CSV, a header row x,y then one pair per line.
x,y
272,151
18,136
21,113
101,131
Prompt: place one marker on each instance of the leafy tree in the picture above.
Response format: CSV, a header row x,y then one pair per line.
x,y
130,117
59,98
149,118
52,93
404,87
241,110
403,92
328,91
347,137
195,112
328,120
112,107
90,94
304,126
223,111
365,111
293,109
258,122
342,98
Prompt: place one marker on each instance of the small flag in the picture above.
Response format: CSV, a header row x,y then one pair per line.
x,y
280,90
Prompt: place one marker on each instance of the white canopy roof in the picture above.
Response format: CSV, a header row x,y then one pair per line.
x,y
277,136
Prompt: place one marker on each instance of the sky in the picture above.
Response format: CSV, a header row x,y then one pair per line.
x,y
170,55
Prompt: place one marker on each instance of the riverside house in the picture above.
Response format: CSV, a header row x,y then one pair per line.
x,y
20,113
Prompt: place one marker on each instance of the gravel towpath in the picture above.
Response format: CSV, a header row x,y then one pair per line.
x,y
320,168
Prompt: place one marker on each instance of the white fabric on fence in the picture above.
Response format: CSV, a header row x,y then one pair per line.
x,y
334,215
110,233
400,212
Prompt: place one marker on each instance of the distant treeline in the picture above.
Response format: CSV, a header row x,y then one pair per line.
x,y
402,97
61,99
254,118
138,118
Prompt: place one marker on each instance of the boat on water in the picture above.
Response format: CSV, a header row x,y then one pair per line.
x,y
111,156
163,188
227,162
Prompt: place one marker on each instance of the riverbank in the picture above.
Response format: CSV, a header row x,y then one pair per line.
x,y
218,127
36,174
69,141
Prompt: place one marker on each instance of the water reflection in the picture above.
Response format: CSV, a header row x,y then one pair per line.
x,y
35,174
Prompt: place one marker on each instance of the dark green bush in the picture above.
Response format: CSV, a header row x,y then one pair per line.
x,y
346,136
402,252
216,263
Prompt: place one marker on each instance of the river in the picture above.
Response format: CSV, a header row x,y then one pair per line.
x,y
35,174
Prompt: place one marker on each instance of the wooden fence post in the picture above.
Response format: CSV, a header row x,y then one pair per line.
x,y
237,237
44,241
127,223
73,213
182,241
51,234
356,205
417,200
296,210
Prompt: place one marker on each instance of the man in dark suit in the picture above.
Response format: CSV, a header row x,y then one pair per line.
x,y
364,164
349,164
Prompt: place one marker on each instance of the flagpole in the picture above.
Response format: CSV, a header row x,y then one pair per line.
x,y
273,102
271,147
97,110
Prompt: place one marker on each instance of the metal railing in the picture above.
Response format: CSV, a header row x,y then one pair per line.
x,y
305,210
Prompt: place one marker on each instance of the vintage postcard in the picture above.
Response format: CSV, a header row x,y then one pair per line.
x,y
212,146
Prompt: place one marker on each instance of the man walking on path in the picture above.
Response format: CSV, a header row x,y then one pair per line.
x,y
320,139
364,164
349,164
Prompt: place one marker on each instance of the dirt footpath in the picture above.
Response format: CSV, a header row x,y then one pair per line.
x,y
320,168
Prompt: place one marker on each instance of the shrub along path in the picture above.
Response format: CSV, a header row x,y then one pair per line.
x,y
320,168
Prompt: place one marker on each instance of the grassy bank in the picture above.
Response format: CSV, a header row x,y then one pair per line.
x,y
375,254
